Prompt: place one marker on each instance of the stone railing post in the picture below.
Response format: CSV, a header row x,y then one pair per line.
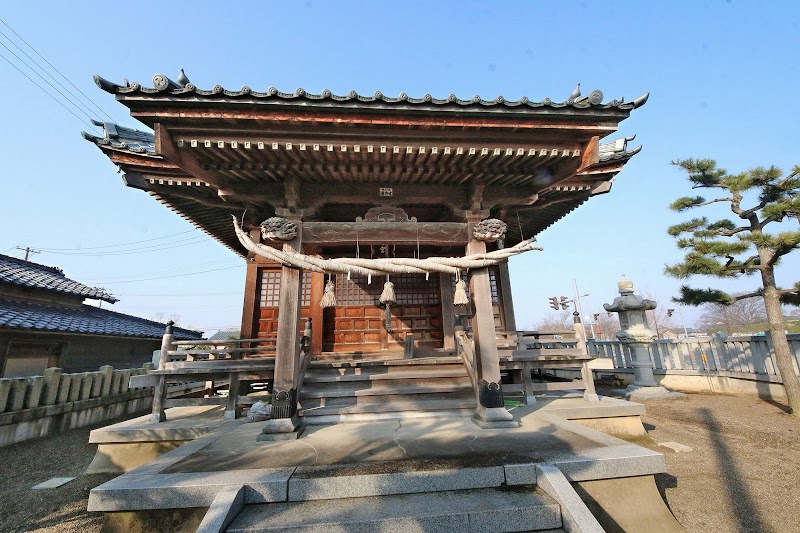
x,y
160,392
5,390
590,394
52,377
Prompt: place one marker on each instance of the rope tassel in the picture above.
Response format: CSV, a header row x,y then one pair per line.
x,y
460,295
329,297
388,296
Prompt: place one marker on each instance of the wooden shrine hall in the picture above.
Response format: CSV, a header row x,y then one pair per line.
x,y
386,220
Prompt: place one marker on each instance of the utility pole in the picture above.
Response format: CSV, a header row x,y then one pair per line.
x,y
683,321
28,251
578,307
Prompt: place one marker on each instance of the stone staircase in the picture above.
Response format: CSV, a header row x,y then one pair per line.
x,y
380,386
478,510
412,496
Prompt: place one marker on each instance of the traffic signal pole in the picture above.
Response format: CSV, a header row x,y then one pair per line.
x,y
578,307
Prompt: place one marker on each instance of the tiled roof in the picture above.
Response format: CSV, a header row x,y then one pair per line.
x,y
84,319
184,88
122,138
33,275
225,335
617,150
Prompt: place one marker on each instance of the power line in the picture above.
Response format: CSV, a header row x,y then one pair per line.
x,y
45,92
172,276
77,102
99,280
116,245
175,294
54,68
48,83
154,248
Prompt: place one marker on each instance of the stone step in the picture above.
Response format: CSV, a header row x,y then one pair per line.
x,y
359,363
469,510
383,387
389,404
333,375
383,355
323,420
400,397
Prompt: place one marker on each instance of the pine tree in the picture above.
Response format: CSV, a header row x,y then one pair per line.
x,y
728,249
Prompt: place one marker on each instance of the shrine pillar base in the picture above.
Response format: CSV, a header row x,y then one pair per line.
x,y
279,429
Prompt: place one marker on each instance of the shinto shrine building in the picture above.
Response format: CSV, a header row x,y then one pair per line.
x,y
379,183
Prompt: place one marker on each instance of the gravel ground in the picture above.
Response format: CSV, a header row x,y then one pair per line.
x,y
741,476
53,510
742,472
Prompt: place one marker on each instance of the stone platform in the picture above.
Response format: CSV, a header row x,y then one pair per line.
x,y
126,445
332,474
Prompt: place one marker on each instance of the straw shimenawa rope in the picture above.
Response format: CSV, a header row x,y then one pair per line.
x,y
381,266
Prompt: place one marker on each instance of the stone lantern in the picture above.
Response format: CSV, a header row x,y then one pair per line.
x,y
636,335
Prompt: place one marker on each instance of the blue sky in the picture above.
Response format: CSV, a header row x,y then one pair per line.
x,y
723,78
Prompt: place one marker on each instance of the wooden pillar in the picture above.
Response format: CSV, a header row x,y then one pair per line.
x,y
316,311
506,300
250,307
283,419
491,411
448,315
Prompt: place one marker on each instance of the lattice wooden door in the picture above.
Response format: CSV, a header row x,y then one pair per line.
x,y
357,321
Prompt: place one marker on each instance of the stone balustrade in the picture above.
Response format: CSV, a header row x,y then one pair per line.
x,y
35,406
736,364
747,355
55,388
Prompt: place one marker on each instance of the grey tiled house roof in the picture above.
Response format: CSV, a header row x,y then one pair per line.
x,y
84,319
33,275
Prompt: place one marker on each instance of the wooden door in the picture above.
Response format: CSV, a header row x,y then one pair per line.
x,y
357,323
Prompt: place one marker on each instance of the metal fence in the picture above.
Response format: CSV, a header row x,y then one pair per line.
x,y
746,355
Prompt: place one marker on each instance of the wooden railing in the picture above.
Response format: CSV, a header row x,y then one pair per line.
x,y
222,364
523,352
465,345
224,349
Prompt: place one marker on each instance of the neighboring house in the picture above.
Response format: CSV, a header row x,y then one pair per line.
x,y
225,335
44,323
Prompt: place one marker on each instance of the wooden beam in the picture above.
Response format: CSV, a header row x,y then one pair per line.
x,y
425,233
591,154
312,197
569,122
165,147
